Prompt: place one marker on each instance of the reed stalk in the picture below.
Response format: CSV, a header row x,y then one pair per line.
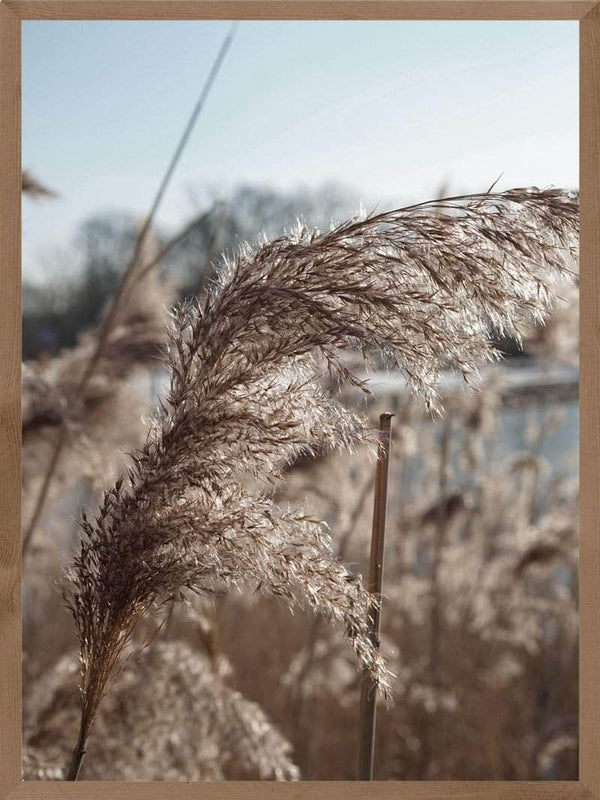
x,y
112,315
368,689
77,758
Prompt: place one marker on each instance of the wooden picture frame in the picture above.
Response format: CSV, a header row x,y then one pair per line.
x,y
11,14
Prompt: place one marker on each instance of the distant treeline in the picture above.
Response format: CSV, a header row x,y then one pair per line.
x,y
58,309
73,295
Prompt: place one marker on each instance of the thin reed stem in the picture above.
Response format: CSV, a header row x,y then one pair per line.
x,y
212,246
111,317
77,758
173,242
368,691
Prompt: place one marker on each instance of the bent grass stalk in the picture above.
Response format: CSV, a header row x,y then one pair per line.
x,y
128,275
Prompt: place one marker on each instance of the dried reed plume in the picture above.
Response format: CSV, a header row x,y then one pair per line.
x,y
422,287
100,417
171,716
50,386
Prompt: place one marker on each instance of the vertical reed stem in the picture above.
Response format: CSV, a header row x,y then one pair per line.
x,y
77,757
109,321
368,689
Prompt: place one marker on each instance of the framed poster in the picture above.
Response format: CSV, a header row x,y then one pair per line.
x,y
292,278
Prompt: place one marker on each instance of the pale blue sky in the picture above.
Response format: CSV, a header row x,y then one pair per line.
x,y
390,108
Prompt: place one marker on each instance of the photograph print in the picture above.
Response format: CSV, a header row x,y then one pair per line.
x,y
300,400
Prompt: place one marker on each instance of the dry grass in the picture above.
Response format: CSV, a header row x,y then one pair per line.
x,y
171,715
196,514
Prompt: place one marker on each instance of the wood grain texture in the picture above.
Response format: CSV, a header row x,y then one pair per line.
x,y
301,9
10,401
589,569
329,790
